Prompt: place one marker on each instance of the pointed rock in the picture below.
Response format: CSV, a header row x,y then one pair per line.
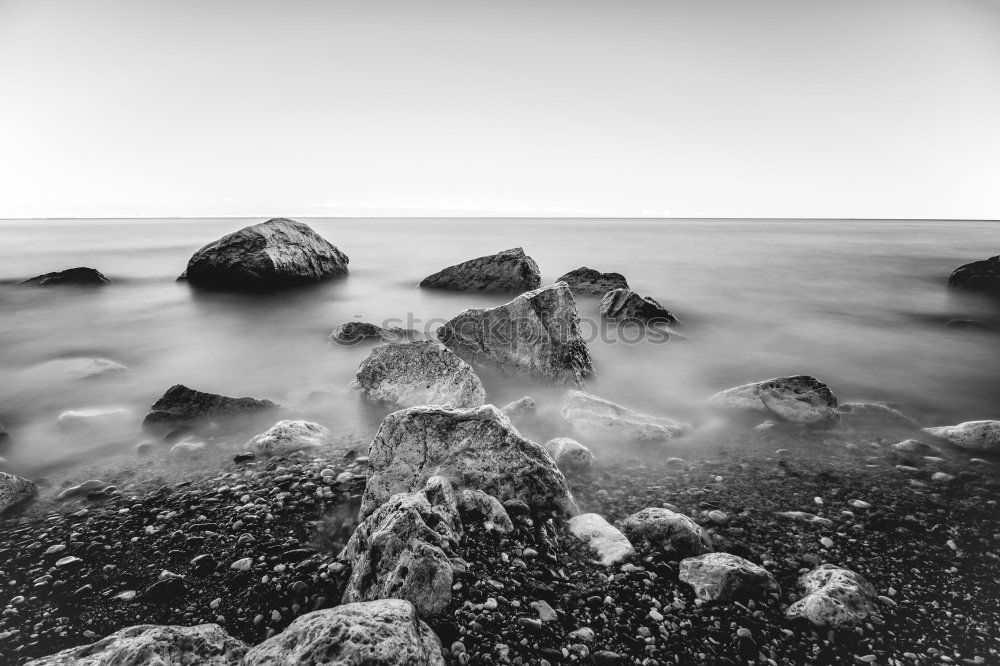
x,y
407,374
510,270
181,405
972,435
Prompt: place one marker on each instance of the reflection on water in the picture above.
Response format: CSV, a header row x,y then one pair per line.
x,y
861,305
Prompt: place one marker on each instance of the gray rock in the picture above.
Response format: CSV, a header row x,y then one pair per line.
x,y
286,437
569,454
481,507
598,418
475,448
274,254
82,489
519,408
15,490
374,633
971,435
913,447
626,305
81,276
181,405
876,412
354,332
978,276
537,333
798,399
418,373
834,597
672,532
510,270
726,577
611,544
593,282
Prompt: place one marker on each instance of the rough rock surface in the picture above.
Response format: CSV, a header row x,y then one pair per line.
x,y
473,448
374,633
537,333
981,436
726,577
274,254
81,276
181,405
834,597
593,282
569,454
354,332
15,490
475,505
418,373
611,544
286,437
510,270
876,412
596,417
798,399
672,532
626,305
978,276
155,645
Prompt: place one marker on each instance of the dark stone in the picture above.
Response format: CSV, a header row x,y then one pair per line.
x,y
165,591
203,565
511,270
81,276
243,457
966,323
978,276
180,405
607,658
626,305
356,331
593,282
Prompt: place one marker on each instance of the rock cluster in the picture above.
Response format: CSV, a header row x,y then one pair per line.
x,y
799,399
407,374
588,281
510,270
181,405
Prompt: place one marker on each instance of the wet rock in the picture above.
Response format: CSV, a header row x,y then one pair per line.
x,y
978,276
14,491
981,436
82,489
611,544
569,454
510,270
475,448
354,332
81,276
726,577
875,412
271,255
519,408
668,531
834,597
626,305
418,373
593,282
798,399
599,418
286,437
181,405
483,508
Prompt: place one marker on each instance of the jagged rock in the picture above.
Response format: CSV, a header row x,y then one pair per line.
x,y
537,333
181,405
611,544
569,454
154,645
672,532
726,577
15,490
596,417
593,282
510,270
81,276
475,448
626,305
418,373
354,332
484,508
519,407
274,254
978,276
373,633
403,549
286,437
876,412
971,435
798,399
834,597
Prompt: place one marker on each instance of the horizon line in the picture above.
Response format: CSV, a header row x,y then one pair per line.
x,y
510,217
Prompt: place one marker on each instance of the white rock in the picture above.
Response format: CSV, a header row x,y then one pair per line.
x,y
599,418
611,544
407,374
726,577
286,437
834,597
971,435
569,454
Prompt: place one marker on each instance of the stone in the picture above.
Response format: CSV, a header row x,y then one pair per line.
x,y
611,544
181,405
188,449
374,633
569,454
834,597
520,407
983,436
475,448
593,282
82,489
407,374
598,418
912,446
81,276
484,508
876,412
286,437
626,305
537,334
798,399
510,270
271,255
726,577
14,491
978,276
672,532
354,332
93,418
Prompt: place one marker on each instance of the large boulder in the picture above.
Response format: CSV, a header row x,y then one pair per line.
x,y
726,577
611,544
982,436
626,305
373,633
978,276
418,373
537,333
274,254
354,332
834,597
181,405
286,437
599,418
154,645
510,270
668,531
473,448
14,491
875,413
82,277
593,282
798,399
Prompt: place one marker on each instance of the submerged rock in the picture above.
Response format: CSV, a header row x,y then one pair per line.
x,y
671,532
418,373
286,437
978,276
475,448
94,418
611,544
82,367
354,332
14,491
274,254
519,408
181,405
596,417
593,282
971,435
510,270
569,454
726,577
798,399
626,305
913,446
876,412
81,276
834,597
537,333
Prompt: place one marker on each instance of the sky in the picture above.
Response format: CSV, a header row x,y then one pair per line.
x,y
725,108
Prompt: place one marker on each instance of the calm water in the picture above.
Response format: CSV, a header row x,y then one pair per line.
x,y
861,305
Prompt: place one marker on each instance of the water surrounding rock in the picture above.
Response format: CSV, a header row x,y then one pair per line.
x,y
95,417
978,276
626,305
418,373
81,276
669,531
596,417
510,270
569,454
274,254
726,577
537,333
473,448
14,491
611,544
834,597
875,412
286,437
82,367
519,408
181,405
798,399
593,282
354,332
981,436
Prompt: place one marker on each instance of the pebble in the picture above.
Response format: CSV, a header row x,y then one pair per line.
x,y
242,564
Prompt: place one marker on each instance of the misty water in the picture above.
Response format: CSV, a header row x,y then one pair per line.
x,y
860,304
